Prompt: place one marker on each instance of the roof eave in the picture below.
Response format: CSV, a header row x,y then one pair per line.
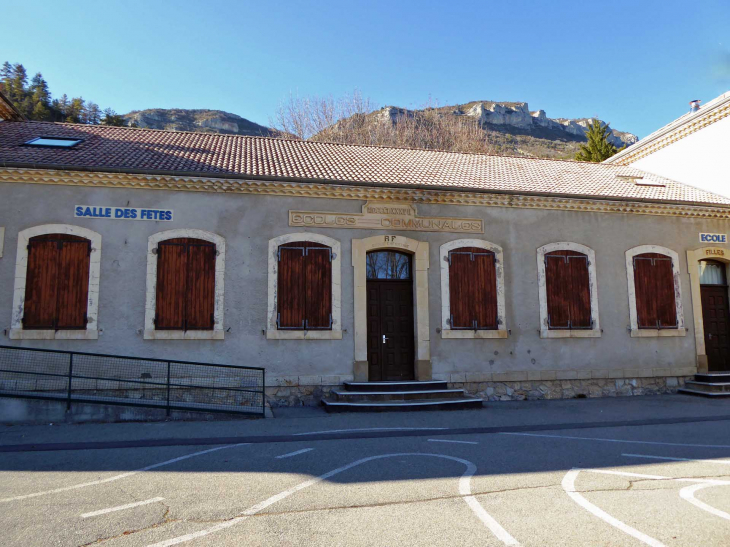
x,y
8,112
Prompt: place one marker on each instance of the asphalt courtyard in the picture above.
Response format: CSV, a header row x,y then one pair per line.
x,y
635,471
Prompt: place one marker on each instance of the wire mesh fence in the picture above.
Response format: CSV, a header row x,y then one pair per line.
x,y
131,381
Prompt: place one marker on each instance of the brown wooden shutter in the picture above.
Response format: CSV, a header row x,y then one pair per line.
x,y
73,284
580,298
200,293
645,291
459,289
318,279
484,289
41,285
666,300
171,280
291,287
557,288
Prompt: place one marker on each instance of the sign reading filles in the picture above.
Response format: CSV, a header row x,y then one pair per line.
x,y
386,216
122,213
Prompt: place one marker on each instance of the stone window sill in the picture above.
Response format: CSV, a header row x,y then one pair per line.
x,y
152,334
273,334
546,333
657,333
22,334
473,334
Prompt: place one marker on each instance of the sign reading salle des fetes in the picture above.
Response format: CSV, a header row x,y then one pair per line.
x,y
386,215
122,213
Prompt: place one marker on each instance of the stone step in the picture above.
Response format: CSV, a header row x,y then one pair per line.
x,y
712,377
710,387
700,393
430,385
411,405
359,396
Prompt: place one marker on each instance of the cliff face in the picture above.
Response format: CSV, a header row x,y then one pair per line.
x,y
211,121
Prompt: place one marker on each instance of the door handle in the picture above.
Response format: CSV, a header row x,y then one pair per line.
x,y
384,339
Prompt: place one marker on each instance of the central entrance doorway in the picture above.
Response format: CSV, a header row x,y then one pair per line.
x,y
391,351
715,315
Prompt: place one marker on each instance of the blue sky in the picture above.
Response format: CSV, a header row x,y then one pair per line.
x,y
633,63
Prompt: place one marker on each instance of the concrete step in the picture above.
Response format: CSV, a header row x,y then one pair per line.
x,y
711,377
710,387
396,386
360,396
715,394
410,405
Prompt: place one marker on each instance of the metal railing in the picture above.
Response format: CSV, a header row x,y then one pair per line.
x,y
130,381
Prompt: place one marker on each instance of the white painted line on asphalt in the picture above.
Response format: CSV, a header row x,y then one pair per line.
x,y
616,440
448,441
290,454
687,493
120,508
464,490
374,429
649,457
569,487
709,482
122,476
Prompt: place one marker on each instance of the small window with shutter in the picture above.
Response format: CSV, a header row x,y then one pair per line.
x,y
304,286
57,282
185,298
567,285
654,288
472,289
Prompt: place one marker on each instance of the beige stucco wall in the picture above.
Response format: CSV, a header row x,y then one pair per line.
x,y
248,222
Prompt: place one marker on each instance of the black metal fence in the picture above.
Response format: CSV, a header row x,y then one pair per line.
x,y
130,381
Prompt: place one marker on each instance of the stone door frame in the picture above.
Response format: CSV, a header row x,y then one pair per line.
x,y
420,265
694,257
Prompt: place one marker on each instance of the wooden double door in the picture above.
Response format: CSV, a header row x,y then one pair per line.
x,y
390,330
716,321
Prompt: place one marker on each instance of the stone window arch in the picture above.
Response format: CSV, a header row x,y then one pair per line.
x,y
91,332
638,331
272,330
217,332
593,329
444,254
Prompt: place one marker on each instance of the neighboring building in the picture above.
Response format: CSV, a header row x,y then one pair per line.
x,y
692,149
322,262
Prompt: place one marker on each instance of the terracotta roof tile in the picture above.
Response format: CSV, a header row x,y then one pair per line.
x,y
211,154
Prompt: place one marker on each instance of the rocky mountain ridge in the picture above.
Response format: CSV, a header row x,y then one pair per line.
x,y
204,121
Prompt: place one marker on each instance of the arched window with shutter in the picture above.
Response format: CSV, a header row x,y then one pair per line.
x,y
472,289
568,291
185,277
57,287
304,293
655,303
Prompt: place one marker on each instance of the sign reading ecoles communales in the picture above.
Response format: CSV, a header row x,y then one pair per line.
x,y
713,238
122,213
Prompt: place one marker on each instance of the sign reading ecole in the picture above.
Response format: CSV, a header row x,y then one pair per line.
x,y
713,238
122,213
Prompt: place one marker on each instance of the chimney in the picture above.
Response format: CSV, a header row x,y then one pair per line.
x,y
694,105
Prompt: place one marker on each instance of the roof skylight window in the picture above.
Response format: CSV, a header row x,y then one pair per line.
x,y
53,142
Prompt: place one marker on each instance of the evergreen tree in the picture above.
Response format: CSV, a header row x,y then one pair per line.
x,y
6,74
75,110
92,114
18,83
597,148
112,118
62,105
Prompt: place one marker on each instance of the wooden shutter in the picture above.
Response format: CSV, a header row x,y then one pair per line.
x,y
557,288
459,289
41,285
472,289
73,284
291,287
200,294
580,301
318,279
171,280
654,290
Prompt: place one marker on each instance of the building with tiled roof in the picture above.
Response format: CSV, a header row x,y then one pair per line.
x,y
692,149
330,263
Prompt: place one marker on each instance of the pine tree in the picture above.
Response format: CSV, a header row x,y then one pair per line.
x,y
112,118
6,74
597,148
75,110
18,83
91,114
